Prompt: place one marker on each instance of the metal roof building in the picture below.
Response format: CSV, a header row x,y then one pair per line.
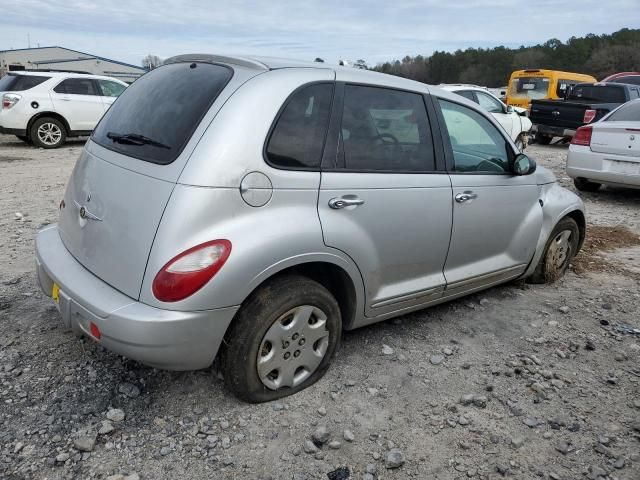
x,y
65,59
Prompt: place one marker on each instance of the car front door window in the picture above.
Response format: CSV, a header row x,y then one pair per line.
x,y
489,103
477,145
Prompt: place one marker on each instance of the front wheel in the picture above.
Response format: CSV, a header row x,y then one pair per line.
x,y
558,252
521,142
47,132
282,339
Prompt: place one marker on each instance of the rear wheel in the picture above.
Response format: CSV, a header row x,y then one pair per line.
x,y
585,185
558,252
48,132
543,139
282,339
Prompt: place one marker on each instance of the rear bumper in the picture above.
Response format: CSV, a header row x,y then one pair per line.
x,y
600,167
553,131
165,339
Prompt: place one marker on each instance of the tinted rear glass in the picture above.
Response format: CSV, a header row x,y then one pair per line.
x,y
598,93
298,136
629,112
19,83
165,105
631,79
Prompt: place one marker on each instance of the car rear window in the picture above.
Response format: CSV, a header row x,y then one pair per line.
x,y
19,83
630,79
155,117
598,93
629,112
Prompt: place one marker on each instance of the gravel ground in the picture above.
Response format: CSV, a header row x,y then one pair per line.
x,y
518,381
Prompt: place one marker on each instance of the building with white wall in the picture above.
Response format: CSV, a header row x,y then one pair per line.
x,y
65,59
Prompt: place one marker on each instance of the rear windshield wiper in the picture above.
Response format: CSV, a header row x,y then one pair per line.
x,y
135,139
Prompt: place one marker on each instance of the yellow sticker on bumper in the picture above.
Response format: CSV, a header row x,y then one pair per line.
x,y
55,293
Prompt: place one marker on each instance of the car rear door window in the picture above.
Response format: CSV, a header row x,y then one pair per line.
x,y
155,117
477,144
20,83
77,86
385,130
110,89
298,136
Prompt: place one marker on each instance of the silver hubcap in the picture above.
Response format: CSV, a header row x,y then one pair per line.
x,y
560,248
49,133
293,347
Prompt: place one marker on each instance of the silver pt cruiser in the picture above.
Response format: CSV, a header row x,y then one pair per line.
x,y
248,210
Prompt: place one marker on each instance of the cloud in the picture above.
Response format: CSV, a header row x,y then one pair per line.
x,y
331,29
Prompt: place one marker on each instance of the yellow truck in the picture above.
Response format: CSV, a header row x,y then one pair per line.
x,y
527,85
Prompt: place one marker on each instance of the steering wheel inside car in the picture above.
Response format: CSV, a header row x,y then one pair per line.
x,y
384,136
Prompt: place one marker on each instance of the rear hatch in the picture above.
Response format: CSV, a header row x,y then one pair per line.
x,y
124,178
558,113
617,138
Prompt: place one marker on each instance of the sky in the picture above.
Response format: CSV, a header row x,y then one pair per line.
x,y
375,30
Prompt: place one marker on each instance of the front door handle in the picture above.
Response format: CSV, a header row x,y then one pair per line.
x,y
345,201
465,196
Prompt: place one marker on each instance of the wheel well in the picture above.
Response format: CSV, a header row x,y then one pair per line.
x,y
57,116
334,279
578,216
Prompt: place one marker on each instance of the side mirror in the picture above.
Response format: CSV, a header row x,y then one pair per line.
x,y
509,109
523,165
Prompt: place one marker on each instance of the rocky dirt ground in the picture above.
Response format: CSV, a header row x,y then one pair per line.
x,y
519,381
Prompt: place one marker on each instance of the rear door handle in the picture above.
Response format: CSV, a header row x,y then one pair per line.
x,y
465,196
345,201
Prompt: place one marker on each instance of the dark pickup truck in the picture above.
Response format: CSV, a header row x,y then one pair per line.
x,y
584,103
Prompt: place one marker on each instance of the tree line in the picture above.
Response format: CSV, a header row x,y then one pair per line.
x,y
597,55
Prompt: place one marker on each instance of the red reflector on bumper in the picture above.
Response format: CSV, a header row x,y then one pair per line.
x,y
95,331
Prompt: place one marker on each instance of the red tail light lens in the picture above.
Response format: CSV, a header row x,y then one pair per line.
x,y
589,115
188,272
582,136
9,100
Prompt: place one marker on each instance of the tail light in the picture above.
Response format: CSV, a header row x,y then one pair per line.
x,y
188,272
589,115
9,100
582,136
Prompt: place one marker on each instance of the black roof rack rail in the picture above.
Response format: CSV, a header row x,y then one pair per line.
x,y
45,70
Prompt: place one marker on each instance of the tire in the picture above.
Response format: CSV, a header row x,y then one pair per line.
x,y
48,132
558,252
585,185
268,314
24,138
543,139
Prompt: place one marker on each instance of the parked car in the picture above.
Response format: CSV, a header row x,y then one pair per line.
x,y
539,84
46,108
608,151
196,227
513,119
632,78
585,103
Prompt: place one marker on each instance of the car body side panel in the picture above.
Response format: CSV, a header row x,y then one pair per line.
x,y
558,202
283,233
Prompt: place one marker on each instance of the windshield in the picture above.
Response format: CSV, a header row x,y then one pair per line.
x,y
598,93
18,83
529,87
155,117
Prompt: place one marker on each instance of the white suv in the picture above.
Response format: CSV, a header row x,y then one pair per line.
x,y
512,119
45,108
